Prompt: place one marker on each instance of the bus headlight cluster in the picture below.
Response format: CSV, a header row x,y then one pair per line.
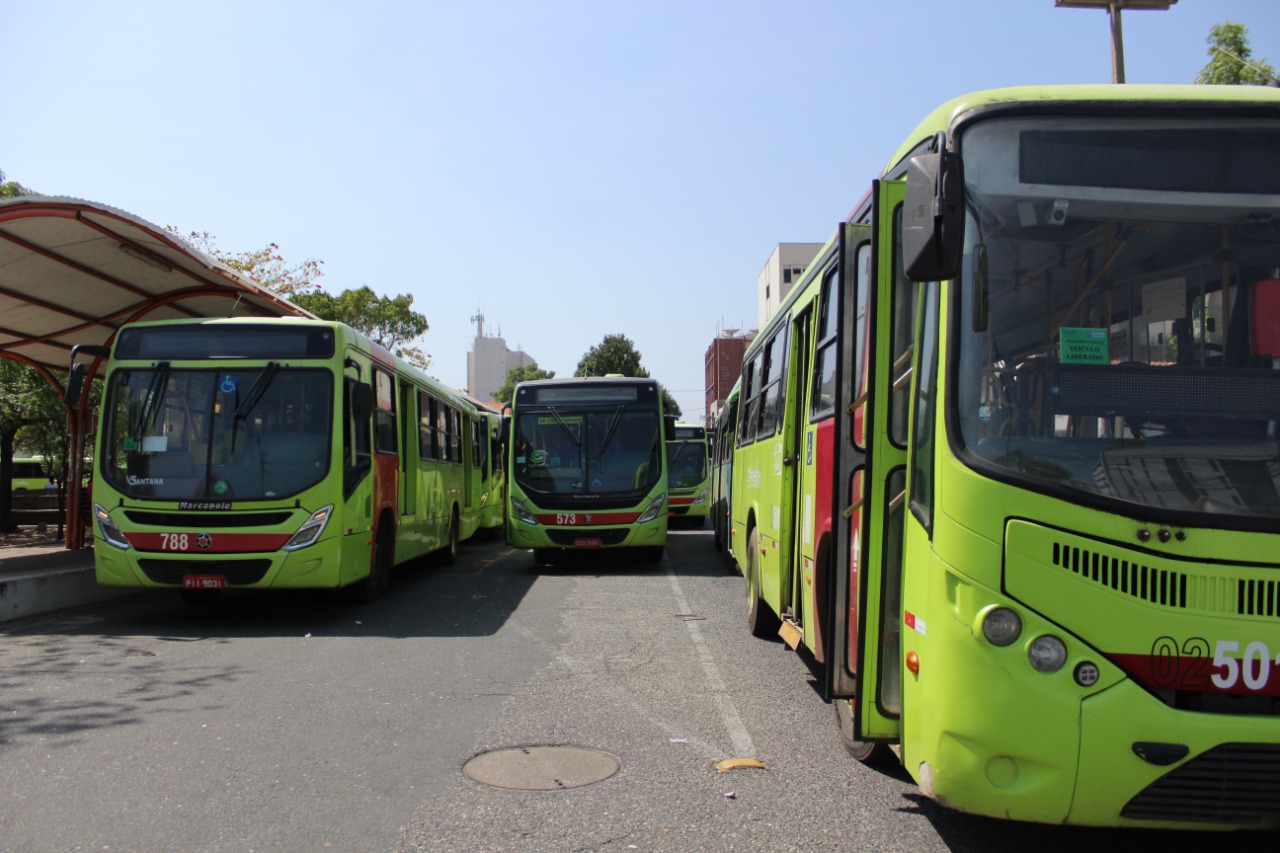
x,y
310,530
1047,653
1001,626
702,496
522,511
110,532
651,511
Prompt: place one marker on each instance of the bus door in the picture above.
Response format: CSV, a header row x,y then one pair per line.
x,y
874,381
799,498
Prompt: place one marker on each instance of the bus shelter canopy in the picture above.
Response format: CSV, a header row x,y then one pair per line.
x,y
73,272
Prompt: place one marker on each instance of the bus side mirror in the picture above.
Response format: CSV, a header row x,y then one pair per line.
x,y
504,432
362,400
669,427
76,376
933,216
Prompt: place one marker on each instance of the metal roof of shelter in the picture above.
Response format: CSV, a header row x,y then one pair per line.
x,y
73,272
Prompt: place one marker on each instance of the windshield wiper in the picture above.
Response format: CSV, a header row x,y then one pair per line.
x,y
151,402
613,426
564,426
259,388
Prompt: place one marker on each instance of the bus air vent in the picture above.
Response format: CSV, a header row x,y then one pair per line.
x,y
196,520
1197,587
1235,783
1159,586
236,572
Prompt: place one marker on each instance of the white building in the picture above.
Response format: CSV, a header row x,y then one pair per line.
x,y
490,361
783,269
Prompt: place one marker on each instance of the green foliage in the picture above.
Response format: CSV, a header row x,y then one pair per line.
x,y
266,266
13,189
617,354
1229,59
517,375
390,321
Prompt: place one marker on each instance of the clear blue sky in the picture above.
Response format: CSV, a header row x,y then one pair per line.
x,y
570,169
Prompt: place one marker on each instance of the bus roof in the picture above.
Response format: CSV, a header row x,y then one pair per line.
x,y
945,115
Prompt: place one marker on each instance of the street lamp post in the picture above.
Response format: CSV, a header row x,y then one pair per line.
x,y
1113,8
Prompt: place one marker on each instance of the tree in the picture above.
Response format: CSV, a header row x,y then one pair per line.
x,y
515,376
266,266
390,321
1229,61
617,354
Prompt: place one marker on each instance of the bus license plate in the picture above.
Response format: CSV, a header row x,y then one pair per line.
x,y
203,582
594,542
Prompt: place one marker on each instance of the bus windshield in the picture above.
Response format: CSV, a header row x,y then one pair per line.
x,y
242,433
600,449
686,463
1118,320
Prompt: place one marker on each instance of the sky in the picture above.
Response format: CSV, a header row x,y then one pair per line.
x,y
568,169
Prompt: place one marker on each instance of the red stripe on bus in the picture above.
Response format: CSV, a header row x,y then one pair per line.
x,y
188,542
586,519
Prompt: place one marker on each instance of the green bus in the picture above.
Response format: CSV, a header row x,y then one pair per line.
x,y
488,477
586,467
29,474
1006,459
688,476
274,454
724,425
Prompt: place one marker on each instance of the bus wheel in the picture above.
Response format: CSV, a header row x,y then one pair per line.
x,y
651,554
448,555
760,619
541,557
868,752
379,578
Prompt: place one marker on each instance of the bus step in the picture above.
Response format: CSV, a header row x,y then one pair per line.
x,y
790,633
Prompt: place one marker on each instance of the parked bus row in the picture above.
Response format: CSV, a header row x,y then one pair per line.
x,y
1005,461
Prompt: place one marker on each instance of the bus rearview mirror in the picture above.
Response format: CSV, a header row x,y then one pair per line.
x,y
933,216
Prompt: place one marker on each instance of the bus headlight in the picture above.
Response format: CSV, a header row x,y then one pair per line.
x,y
651,511
1001,626
522,511
1047,653
310,530
110,532
702,496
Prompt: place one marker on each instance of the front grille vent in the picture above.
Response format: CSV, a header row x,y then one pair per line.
x,y
206,520
1234,783
1150,583
236,572
1203,590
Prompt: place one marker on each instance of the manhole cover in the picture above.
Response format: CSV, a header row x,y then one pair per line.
x,y
541,768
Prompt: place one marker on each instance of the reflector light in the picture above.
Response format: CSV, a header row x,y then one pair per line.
x,y
913,663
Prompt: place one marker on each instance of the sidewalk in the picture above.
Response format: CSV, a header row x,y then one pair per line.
x,y
40,578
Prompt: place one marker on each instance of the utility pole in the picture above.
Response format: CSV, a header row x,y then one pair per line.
x,y
1113,8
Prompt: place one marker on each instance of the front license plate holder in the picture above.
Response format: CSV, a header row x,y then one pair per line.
x,y
588,542
204,582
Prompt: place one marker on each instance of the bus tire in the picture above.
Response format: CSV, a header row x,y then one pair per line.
x,y
378,580
541,557
868,752
651,554
448,555
760,618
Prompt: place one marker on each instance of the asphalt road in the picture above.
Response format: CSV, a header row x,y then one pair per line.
x,y
300,723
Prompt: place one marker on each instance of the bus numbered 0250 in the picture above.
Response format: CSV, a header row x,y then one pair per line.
x,y
587,467
277,454
1006,459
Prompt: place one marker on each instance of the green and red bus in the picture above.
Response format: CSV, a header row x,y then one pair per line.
x,y
586,467
274,454
1006,459
724,426
688,476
